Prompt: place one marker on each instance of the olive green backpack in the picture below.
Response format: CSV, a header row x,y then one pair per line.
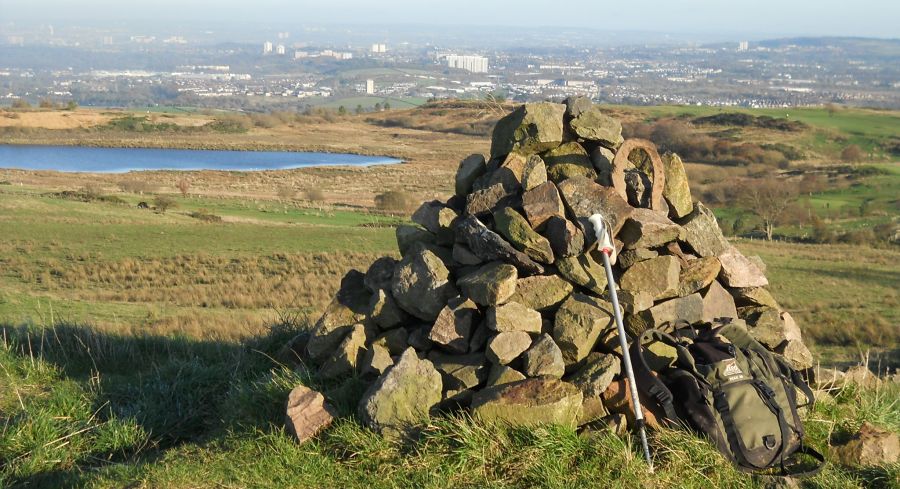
x,y
718,381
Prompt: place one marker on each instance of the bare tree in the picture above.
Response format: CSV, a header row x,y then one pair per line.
x,y
183,186
768,198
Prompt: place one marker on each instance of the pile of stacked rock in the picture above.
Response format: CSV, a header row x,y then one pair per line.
x,y
499,304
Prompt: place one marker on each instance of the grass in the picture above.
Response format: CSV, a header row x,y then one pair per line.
x,y
89,409
121,267
867,128
846,298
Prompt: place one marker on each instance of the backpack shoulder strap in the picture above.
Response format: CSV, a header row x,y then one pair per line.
x,y
644,376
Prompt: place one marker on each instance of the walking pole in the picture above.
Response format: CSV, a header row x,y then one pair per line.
x,y
608,251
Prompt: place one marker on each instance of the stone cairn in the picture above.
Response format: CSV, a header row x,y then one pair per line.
x,y
499,303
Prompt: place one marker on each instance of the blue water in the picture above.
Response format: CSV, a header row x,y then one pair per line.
x,y
120,160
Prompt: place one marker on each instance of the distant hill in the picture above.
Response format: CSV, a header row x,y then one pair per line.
x,y
852,45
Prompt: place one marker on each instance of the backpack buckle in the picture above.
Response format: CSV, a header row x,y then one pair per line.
x,y
769,442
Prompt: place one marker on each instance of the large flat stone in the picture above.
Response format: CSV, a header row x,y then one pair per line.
x,y
585,271
513,316
541,203
578,323
516,229
584,198
529,402
701,232
541,292
697,275
656,276
531,128
402,397
421,284
647,228
689,308
494,283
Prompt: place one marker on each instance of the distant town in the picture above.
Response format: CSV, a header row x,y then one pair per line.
x,y
283,69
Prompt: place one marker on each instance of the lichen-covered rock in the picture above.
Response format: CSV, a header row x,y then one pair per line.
x,y
349,307
472,167
460,371
584,198
576,105
453,327
543,358
505,347
578,324
701,232
593,378
348,356
503,374
569,160
753,296
437,219
529,402
765,325
677,192
629,257
489,246
541,292
376,360
409,234
541,203
656,276
484,201
380,273
421,284
513,316
515,228
384,311
307,413
688,308
492,284
530,128
634,302
463,255
646,228
585,271
870,446
402,397
593,125
534,173
697,275
508,174
566,239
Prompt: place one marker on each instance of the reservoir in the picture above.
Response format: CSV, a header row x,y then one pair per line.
x,y
120,160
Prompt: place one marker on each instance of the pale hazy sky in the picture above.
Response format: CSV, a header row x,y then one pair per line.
x,y
757,18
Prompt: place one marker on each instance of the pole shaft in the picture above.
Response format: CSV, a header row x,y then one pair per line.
x,y
626,358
